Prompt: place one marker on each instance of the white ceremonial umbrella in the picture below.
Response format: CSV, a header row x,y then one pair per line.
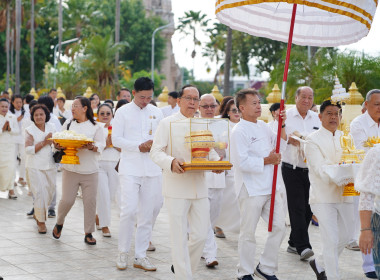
x,y
323,23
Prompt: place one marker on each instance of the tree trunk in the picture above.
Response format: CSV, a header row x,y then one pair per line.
x,y
18,36
7,44
12,53
117,38
227,63
59,30
32,78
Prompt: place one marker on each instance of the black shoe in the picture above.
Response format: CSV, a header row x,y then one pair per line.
x,y
262,275
320,275
246,277
371,274
31,213
51,213
172,269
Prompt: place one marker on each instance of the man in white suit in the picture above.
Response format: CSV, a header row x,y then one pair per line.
x,y
185,193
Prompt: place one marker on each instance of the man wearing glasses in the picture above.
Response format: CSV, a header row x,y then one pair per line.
x,y
140,179
185,194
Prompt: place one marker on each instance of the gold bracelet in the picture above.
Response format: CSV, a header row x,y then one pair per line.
x,y
364,229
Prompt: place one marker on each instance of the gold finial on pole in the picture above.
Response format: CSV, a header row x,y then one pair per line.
x,y
275,95
34,93
216,93
10,92
355,96
88,92
163,97
60,93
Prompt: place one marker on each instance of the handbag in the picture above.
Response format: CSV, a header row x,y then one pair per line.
x,y
57,156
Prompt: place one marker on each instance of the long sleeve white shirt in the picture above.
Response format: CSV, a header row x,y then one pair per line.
x,y
322,148
169,110
250,144
131,127
109,153
88,159
18,138
295,122
361,128
6,137
43,159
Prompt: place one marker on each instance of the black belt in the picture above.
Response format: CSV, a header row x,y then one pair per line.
x,y
287,165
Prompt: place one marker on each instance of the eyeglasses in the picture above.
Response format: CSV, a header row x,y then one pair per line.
x,y
76,106
188,99
209,106
234,111
105,114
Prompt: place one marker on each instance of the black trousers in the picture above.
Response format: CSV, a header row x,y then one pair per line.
x,y
297,186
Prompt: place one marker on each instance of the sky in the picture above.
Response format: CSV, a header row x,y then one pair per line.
x,y
183,46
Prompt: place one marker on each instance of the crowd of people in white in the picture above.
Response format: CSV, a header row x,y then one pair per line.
x,y
130,162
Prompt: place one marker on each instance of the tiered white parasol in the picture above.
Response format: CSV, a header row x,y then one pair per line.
x,y
324,23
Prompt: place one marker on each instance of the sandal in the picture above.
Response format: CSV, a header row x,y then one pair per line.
x,y
87,239
59,229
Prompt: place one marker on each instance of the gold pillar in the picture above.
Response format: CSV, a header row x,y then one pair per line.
x,y
216,93
163,97
275,95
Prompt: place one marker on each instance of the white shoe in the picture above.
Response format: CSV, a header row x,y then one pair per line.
x,y
122,261
306,253
151,247
211,262
144,263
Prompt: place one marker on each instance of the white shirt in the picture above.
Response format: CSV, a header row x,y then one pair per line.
x,y
131,127
168,110
295,122
322,148
88,159
361,128
66,114
250,144
54,121
27,111
18,137
43,159
6,137
109,153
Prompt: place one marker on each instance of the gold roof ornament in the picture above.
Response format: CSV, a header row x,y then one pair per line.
x,y
216,93
60,93
34,93
275,95
356,97
10,92
88,92
163,97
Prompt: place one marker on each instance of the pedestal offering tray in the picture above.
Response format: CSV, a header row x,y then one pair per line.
x,y
343,175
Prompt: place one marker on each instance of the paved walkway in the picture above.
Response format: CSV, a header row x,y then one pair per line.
x,y
25,254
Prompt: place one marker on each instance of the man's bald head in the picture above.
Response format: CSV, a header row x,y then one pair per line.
x,y
207,106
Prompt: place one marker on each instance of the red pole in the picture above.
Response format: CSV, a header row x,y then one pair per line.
x,y
285,78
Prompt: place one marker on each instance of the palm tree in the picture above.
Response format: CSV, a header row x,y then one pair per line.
x,y
7,42
190,24
59,30
32,78
227,63
117,37
18,45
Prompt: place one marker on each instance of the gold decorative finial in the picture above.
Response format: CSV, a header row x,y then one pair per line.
x,y
34,93
355,96
216,93
275,95
10,92
60,93
163,97
88,92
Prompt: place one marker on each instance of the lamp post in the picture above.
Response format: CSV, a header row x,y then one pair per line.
x,y
55,52
154,33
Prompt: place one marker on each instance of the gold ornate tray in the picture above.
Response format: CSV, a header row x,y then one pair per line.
x,y
71,149
207,165
349,190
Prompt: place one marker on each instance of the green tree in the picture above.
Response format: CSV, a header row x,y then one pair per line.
x,y
128,83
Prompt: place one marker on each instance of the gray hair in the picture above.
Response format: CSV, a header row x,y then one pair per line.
x,y
370,93
298,91
208,95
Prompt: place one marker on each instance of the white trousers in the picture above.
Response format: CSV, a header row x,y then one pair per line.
x,y
251,209
108,183
42,185
136,197
215,197
187,251
333,219
20,152
229,217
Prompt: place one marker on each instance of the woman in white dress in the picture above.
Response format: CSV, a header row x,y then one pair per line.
x,y
39,162
8,127
84,174
18,110
229,218
108,177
